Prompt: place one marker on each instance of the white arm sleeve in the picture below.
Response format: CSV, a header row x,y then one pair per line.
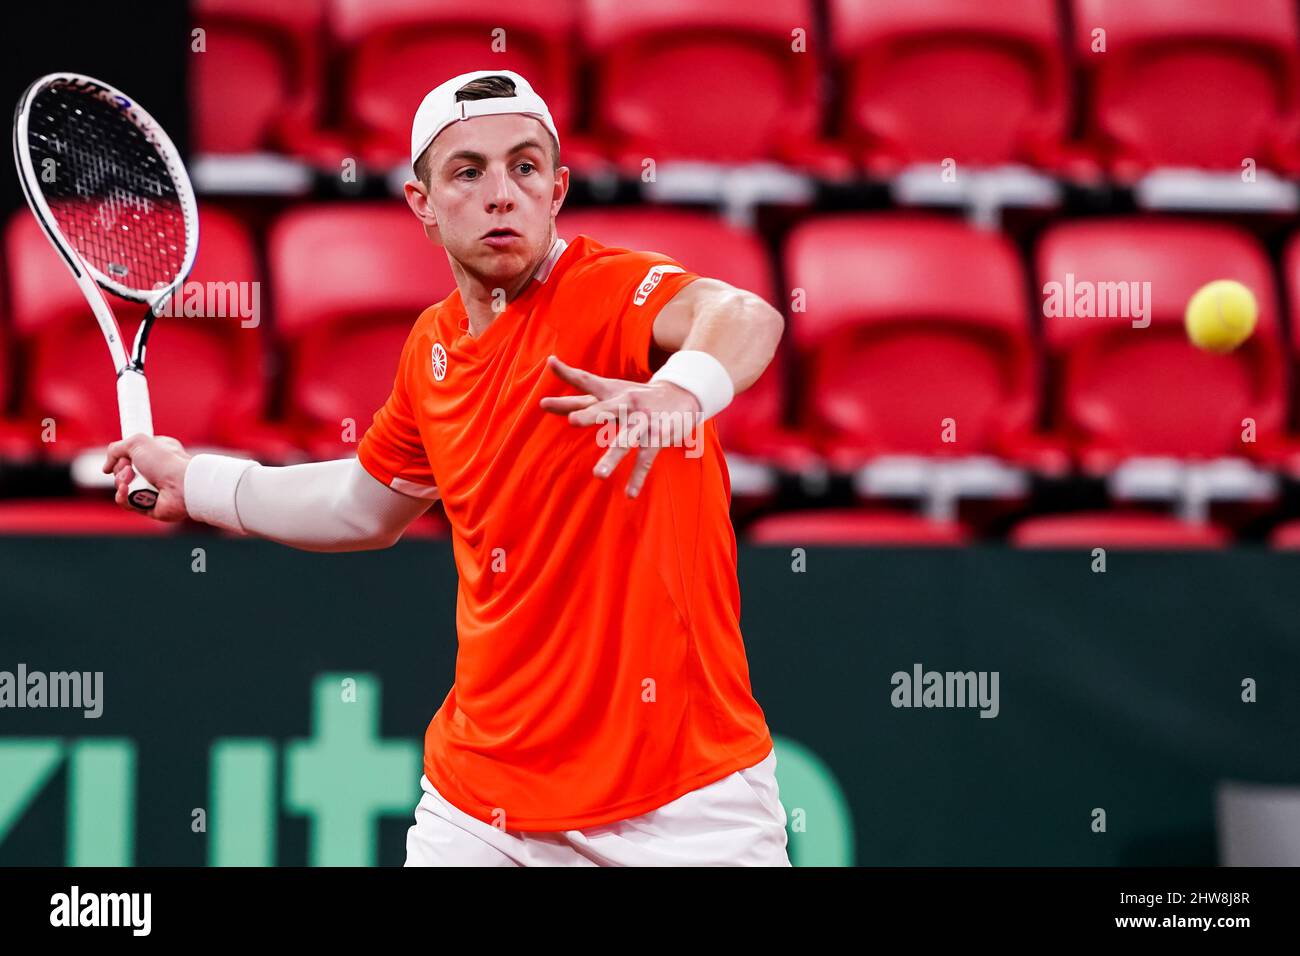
x,y
320,506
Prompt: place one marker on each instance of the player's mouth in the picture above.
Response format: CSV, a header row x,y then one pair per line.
x,y
501,238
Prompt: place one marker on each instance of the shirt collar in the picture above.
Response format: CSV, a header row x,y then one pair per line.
x,y
544,268
541,274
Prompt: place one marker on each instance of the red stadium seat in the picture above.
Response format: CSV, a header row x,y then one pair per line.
x,y
855,527
396,51
1124,530
982,83
349,282
1190,85
1125,392
257,85
18,440
1290,456
752,424
1286,537
911,321
714,80
206,373
8,362
75,516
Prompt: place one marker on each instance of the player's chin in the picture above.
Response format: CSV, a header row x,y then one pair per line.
x,y
502,263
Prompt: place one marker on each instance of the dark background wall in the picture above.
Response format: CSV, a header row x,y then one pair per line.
x,y
1120,691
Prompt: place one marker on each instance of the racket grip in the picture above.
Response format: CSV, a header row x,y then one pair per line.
x,y
133,409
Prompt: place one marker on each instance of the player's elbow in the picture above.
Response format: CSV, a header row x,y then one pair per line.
x,y
768,322
375,543
380,539
344,544
763,328
365,532
388,538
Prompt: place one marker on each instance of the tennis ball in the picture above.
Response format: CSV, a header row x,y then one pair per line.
x,y
1220,316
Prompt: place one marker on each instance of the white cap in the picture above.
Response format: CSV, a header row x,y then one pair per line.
x,y
440,108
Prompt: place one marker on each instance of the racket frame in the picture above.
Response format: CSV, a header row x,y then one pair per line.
x,y
132,388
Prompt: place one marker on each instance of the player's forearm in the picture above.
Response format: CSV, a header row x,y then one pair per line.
x,y
321,506
738,329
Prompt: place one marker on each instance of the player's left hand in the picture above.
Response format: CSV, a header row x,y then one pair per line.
x,y
651,415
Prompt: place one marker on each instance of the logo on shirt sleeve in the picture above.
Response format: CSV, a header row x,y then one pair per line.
x,y
439,361
651,281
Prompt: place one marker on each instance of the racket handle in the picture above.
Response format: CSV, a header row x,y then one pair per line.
x,y
133,408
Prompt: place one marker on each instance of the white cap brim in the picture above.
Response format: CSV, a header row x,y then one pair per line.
x,y
441,108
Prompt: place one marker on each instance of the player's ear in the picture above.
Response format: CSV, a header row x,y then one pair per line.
x,y
561,190
417,197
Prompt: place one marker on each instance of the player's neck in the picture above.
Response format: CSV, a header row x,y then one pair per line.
x,y
483,298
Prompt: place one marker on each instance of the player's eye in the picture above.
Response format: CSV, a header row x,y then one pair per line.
x,y
526,168
469,172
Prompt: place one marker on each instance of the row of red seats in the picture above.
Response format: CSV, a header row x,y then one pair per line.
x,y
1208,84
858,527
898,325
1115,529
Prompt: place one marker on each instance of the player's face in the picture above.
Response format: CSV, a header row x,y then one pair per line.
x,y
493,192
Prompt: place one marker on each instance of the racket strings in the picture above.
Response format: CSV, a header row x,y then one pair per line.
x,y
108,188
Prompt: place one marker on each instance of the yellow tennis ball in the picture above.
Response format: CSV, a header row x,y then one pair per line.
x,y
1221,315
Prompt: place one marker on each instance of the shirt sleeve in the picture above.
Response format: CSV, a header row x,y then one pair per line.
x,y
392,450
639,284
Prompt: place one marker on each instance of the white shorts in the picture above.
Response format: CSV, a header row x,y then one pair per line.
x,y
735,821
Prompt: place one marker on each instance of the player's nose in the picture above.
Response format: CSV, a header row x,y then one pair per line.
x,y
501,194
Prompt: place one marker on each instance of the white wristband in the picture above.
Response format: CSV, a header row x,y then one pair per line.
x,y
703,376
210,483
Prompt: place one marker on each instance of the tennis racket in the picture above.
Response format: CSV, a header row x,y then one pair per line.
x,y
110,191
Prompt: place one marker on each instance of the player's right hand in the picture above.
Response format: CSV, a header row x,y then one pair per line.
x,y
162,460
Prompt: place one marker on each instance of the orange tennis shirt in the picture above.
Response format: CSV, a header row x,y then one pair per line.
x,y
600,670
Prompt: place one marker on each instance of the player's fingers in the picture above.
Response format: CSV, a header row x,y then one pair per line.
x,y
115,454
120,496
628,438
122,448
580,379
124,474
609,461
567,403
645,457
596,414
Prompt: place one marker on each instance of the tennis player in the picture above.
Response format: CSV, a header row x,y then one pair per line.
x,y
601,712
